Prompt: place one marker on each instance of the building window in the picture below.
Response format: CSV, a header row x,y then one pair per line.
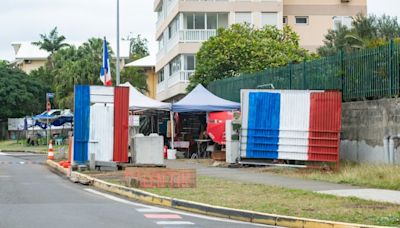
x,y
199,21
270,18
173,27
190,62
161,42
243,17
175,65
285,20
302,20
342,21
160,75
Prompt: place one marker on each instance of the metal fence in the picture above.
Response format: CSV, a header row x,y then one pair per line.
x,y
365,74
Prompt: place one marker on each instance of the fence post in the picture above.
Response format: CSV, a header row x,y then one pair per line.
x,y
290,75
391,71
304,75
342,70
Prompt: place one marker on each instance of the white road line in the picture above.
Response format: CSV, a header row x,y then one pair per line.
x,y
111,197
174,223
3,176
3,154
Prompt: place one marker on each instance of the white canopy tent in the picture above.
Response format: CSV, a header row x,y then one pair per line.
x,y
139,101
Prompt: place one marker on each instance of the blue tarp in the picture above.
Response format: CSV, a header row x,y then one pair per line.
x,y
202,100
41,120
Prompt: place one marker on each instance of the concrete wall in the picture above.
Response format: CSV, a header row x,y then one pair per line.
x,y
364,125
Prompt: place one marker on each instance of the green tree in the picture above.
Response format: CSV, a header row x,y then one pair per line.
x,y
138,47
137,77
20,94
51,42
77,66
366,32
244,49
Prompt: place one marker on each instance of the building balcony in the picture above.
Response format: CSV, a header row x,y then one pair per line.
x,y
176,78
180,77
196,35
185,36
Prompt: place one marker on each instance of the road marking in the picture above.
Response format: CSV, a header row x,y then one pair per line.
x,y
174,223
152,210
3,176
21,163
162,216
111,197
3,154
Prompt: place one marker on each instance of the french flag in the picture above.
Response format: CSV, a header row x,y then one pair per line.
x,y
105,74
291,125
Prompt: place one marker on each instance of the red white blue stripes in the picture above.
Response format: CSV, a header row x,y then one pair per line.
x,y
289,125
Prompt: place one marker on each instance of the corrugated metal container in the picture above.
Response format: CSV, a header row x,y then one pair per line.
x,y
325,125
101,136
81,123
290,125
121,120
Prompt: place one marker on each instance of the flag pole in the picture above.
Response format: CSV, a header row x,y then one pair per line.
x,y
118,76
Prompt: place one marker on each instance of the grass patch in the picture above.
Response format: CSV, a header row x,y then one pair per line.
x,y
275,200
13,145
374,176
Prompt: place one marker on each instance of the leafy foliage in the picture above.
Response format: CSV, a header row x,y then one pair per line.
x,y
244,49
19,93
136,77
138,47
51,42
366,32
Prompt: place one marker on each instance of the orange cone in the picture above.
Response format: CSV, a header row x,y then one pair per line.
x,y
50,154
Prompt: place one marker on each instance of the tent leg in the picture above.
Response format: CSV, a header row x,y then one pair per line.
x,y
171,116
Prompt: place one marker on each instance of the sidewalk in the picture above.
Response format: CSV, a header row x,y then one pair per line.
x,y
250,175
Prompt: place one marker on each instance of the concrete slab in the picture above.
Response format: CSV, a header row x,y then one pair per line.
x,y
382,195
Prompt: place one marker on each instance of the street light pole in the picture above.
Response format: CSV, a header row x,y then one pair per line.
x,y
118,70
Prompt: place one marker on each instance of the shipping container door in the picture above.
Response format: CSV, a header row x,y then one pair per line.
x,y
121,119
294,125
101,131
325,124
81,123
263,125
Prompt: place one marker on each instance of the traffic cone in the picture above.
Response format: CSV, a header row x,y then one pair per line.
x,y
50,154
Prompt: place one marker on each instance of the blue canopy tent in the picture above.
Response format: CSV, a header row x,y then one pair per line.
x,y
202,100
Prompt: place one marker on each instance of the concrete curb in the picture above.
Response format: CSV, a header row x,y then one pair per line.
x,y
23,151
206,209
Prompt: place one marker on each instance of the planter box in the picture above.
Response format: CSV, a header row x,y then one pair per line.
x,y
218,155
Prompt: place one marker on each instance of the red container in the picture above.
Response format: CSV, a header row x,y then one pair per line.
x,y
325,124
216,125
121,120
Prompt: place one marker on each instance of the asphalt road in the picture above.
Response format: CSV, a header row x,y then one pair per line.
x,y
32,196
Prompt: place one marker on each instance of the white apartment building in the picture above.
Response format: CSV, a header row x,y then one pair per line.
x,y
183,25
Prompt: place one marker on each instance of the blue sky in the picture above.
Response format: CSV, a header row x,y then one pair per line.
x,y
78,20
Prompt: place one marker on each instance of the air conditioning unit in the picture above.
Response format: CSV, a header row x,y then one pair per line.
x,y
345,1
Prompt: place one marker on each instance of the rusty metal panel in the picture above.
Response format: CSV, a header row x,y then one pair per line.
x,y
325,125
121,122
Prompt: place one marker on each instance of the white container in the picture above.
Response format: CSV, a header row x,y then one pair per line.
x,y
171,154
148,149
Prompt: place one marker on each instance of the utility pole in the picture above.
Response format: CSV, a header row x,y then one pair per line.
x,y
118,70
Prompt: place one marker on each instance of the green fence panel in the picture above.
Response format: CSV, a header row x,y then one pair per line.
x,y
365,74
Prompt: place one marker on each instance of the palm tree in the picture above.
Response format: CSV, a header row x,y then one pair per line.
x,y
51,42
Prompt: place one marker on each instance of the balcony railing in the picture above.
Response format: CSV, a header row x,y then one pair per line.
x,y
180,76
196,35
